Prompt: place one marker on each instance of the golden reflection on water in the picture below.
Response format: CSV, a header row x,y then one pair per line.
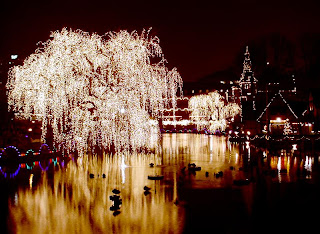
x,y
199,148
71,201
65,199
289,167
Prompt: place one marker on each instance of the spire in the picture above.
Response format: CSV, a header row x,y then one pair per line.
x,y
248,83
247,73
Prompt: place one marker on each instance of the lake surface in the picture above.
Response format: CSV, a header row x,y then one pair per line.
x,y
278,191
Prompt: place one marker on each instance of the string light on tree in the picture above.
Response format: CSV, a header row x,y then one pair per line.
x,y
211,111
94,90
287,129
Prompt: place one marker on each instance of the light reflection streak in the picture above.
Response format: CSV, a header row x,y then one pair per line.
x,y
123,168
31,180
289,169
248,150
211,144
308,166
279,168
73,202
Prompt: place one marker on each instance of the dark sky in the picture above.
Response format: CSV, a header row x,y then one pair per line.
x,y
197,37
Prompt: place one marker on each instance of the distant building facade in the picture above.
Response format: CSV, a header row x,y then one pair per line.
x,y
267,108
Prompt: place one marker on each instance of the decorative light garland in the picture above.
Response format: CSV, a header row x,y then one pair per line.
x,y
4,151
12,174
272,99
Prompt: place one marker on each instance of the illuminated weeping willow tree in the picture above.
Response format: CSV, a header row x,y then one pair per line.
x,y
211,112
94,90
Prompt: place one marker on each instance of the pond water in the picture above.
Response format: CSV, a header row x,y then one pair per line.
x,y
60,196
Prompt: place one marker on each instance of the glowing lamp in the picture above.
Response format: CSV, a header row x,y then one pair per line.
x,y
294,147
14,56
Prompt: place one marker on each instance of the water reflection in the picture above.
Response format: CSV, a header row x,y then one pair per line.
x,y
73,195
69,200
287,167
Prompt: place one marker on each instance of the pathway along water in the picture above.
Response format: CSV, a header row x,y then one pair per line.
x,y
255,191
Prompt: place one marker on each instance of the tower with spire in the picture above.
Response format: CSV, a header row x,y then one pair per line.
x,y
248,83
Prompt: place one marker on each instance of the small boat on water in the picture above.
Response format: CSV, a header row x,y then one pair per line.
x,y
155,177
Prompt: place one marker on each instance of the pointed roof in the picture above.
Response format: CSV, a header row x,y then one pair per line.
x,y
273,103
247,73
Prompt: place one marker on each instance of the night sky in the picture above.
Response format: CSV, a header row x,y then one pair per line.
x,y
197,37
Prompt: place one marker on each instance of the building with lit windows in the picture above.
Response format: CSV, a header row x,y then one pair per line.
x,y
271,108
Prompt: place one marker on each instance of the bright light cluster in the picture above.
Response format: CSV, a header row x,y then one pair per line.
x,y
211,111
287,129
95,90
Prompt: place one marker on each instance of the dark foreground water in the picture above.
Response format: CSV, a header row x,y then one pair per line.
x,y
259,192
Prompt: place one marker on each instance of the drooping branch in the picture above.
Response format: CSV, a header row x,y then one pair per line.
x,y
99,91
211,111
